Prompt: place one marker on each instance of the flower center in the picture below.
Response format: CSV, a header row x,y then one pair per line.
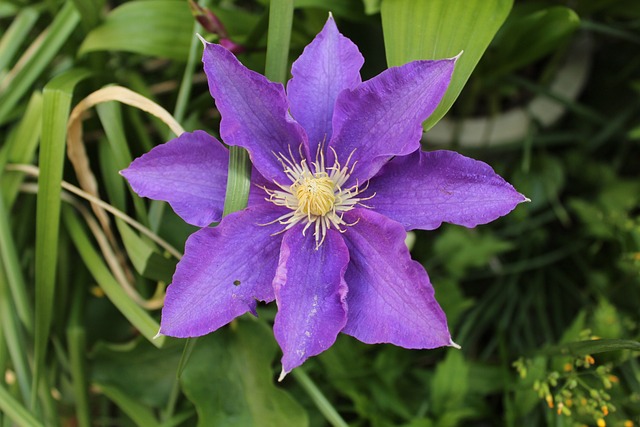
x,y
316,198
315,194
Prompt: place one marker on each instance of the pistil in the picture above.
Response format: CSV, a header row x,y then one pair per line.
x,y
316,197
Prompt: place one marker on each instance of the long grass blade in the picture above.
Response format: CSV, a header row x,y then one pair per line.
x,y
56,105
35,59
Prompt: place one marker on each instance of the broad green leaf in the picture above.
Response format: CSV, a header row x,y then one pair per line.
x,y
229,380
142,372
161,28
450,383
436,29
541,31
462,249
55,111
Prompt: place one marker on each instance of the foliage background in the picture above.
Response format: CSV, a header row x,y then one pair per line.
x,y
545,302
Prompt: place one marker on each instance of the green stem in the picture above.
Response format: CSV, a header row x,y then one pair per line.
x,y
318,398
278,40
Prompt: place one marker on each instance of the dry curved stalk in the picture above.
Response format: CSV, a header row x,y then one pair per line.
x,y
110,257
112,260
35,171
78,155
75,146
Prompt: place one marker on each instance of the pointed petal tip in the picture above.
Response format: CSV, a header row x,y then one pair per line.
x,y
158,335
283,374
526,199
204,42
455,58
454,345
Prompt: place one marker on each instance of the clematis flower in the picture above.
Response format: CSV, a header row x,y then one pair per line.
x,y
338,179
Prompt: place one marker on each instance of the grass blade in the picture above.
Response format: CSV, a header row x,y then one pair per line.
x,y
56,105
18,82
138,317
14,410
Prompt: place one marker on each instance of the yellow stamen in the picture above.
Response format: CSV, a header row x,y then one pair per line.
x,y
316,195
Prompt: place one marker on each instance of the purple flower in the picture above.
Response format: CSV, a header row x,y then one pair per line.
x,y
338,179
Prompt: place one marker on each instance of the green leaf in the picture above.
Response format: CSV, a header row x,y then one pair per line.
x,y
139,413
229,380
144,256
371,6
20,147
15,35
349,9
89,11
15,411
581,348
238,180
436,29
280,21
56,105
541,31
450,383
142,372
54,38
161,28
138,317
77,349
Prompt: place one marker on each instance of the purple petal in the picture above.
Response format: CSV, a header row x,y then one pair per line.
x,y
329,64
189,172
383,116
257,195
254,112
390,297
223,272
423,190
310,292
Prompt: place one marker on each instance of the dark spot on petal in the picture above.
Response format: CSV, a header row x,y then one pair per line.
x,y
236,282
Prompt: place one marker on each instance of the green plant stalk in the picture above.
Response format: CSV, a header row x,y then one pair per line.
x,y
318,398
76,339
278,40
187,78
